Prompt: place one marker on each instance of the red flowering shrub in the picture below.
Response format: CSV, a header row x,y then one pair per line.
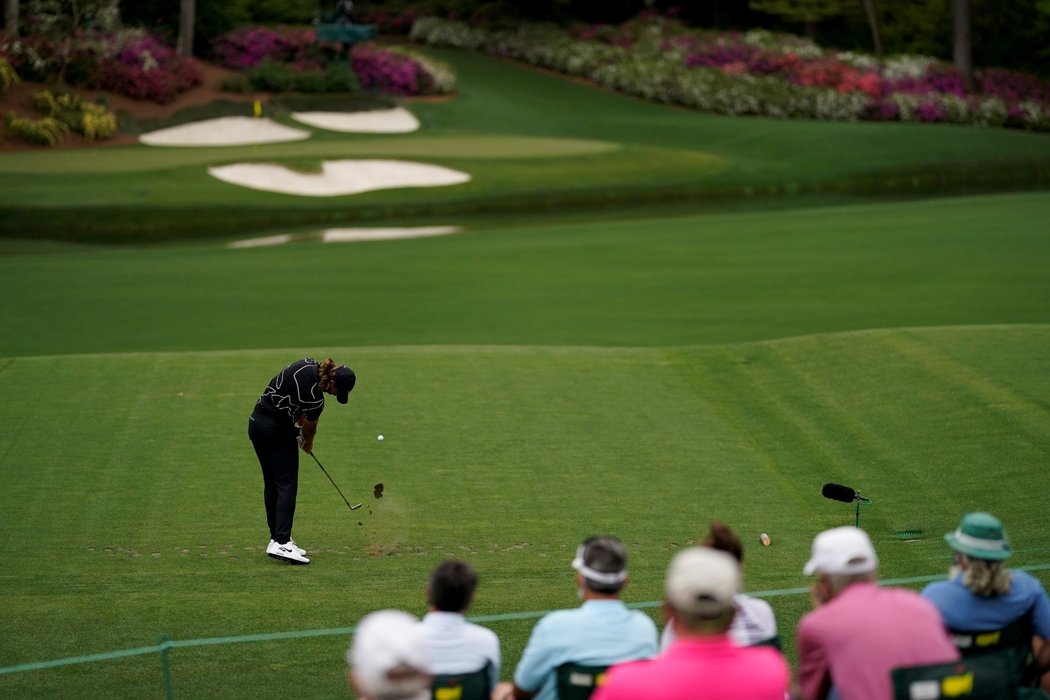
x,y
148,70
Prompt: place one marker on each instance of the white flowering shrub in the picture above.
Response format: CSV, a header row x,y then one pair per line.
x,y
758,73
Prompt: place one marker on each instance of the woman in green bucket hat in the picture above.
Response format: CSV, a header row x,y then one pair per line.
x,y
982,597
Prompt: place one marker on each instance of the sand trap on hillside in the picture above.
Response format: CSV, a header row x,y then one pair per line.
x,y
224,131
338,177
352,235
349,235
382,121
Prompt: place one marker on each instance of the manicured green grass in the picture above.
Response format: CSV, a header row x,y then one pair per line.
x,y
532,142
534,385
138,494
651,282
537,380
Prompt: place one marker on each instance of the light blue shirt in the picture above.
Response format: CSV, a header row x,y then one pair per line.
x,y
457,646
962,610
598,633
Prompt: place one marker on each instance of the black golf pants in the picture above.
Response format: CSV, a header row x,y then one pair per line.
x,y
278,453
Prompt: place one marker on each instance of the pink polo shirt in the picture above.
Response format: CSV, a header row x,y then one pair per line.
x,y
700,668
855,640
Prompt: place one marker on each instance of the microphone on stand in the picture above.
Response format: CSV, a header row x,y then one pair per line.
x,y
838,492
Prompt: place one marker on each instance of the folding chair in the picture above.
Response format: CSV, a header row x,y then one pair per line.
x,y
1014,641
983,677
476,685
578,681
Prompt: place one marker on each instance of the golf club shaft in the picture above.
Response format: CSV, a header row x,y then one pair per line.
x,y
333,482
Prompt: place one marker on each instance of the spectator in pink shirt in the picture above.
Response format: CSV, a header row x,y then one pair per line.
x,y
702,663
860,632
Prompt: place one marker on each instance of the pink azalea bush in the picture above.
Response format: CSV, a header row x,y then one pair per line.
x,y
398,71
147,69
130,63
247,47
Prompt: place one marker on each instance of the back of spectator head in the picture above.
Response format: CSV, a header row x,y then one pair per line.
x,y
602,563
981,548
843,555
721,537
451,586
701,585
388,658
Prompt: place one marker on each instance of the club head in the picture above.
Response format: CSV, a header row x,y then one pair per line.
x,y
356,506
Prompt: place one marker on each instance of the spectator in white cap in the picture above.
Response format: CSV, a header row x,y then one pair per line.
x,y
858,632
601,632
387,659
982,595
702,663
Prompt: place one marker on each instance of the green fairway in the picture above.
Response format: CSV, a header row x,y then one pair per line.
x,y
144,517
655,282
534,385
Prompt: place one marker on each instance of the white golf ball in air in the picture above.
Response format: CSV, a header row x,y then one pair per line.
x,y
380,438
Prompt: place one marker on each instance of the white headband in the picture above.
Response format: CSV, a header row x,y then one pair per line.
x,y
608,578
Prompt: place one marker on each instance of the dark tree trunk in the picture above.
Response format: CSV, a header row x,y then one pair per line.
x,y
11,17
873,24
963,53
187,17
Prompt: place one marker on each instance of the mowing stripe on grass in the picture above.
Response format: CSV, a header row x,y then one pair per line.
x,y
167,644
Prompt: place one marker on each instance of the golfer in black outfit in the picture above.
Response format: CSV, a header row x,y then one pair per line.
x,y
285,420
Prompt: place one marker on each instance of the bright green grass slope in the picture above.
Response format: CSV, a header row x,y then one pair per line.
x,y
655,282
138,496
588,149
535,385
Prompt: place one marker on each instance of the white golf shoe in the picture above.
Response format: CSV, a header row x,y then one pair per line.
x,y
286,552
291,543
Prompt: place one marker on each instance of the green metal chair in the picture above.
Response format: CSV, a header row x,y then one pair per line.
x,y
981,677
578,681
476,685
1014,641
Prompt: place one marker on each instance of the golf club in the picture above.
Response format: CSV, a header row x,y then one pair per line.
x,y
333,483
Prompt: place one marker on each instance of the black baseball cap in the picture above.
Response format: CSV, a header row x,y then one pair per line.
x,y
344,383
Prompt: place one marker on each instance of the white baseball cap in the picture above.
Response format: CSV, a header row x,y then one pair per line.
x,y
702,581
388,657
842,551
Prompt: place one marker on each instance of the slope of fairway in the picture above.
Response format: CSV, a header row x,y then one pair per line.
x,y
652,282
138,504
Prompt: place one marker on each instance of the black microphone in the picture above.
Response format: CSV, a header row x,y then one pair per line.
x,y
838,492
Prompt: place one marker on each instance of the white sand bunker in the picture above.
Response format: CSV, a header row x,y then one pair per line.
x,y
338,177
350,235
224,131
382,121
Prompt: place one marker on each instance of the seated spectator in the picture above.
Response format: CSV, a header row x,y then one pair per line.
x,y
453,644
860,632
703,663
600,632
387,658
982,595
754,621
